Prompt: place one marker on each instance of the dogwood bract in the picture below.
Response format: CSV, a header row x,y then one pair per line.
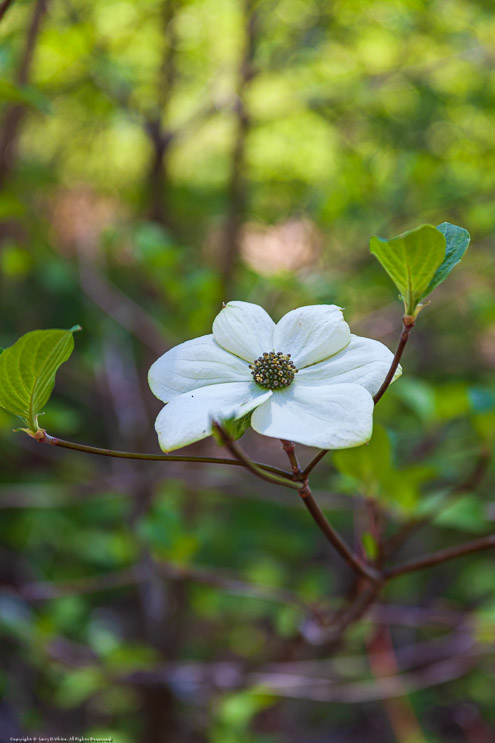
x,y
306,379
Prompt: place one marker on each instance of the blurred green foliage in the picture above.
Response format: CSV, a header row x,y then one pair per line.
x,y
157,158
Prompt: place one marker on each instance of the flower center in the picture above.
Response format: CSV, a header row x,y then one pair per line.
x,y
273,370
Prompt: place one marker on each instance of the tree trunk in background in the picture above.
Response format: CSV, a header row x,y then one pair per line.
x,y
9,132
236,195
159,136
4,7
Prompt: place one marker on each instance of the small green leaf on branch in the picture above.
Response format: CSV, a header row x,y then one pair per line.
x,y
411,260
457,241
233,427
27,372
367,465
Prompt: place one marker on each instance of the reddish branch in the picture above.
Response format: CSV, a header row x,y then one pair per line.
x,y
290,450
408,324
253,467
354,562
334,537
375,578
437,558
44,438
317,458
291,480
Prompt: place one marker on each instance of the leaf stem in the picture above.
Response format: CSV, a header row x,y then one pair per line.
x,y
45,438
408,324
437,558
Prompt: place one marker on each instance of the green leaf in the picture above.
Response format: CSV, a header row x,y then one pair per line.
x,y
234,427
402,488
457,241
466,514
411,260
484,425
27,371
370,471
418,396
452,401
367,464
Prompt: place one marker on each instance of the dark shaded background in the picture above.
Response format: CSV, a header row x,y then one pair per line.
x,y
156,159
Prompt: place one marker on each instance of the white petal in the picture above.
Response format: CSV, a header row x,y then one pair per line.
x,y
244,329
187,418
364,361
332,417
193,364
311,334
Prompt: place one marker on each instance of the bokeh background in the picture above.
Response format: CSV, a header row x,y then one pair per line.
x,y
158,157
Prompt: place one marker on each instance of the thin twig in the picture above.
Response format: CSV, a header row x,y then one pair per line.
x,y
317,458
50,590
45,438
290,450
408,324
229,675
335,539
437,558
248,463
362,602
120,306
360,567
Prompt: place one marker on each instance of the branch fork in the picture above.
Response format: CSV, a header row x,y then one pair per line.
x,y
298,479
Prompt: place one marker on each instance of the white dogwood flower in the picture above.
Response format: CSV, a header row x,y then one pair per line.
x,y
306,379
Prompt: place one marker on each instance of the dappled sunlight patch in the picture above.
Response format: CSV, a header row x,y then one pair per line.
x,y
289,246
